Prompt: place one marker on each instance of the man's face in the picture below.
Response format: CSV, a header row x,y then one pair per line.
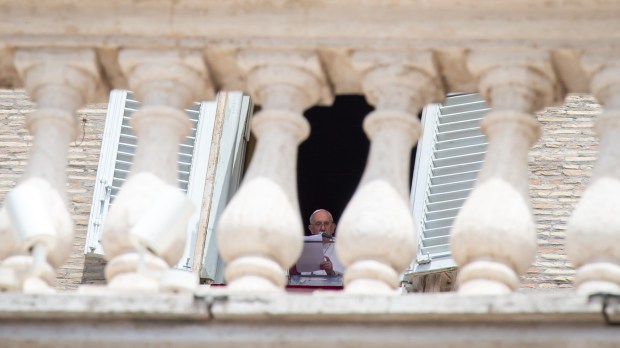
x,y
321,223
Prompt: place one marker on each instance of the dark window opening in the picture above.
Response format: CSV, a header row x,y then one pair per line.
x,y
332,160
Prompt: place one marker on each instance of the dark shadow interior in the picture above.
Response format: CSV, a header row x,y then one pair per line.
x,y
332,160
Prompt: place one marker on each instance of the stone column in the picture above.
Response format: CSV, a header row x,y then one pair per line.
x,y
593,234
376,234
165,82
260,232
59,81
494,237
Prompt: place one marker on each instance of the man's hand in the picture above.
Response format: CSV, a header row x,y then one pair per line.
x,y
327,266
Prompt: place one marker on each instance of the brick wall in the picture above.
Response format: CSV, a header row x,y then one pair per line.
x,y
560,168
560,165
15,145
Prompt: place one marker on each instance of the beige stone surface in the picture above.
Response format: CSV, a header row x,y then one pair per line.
x,y
260,231
377,235
329,319
291,55
219,30
576,39
592,233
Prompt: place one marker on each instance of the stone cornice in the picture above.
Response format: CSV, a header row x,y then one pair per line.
x,y
332,29
447,20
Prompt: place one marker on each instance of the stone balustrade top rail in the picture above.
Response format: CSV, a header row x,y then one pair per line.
x,y
333,29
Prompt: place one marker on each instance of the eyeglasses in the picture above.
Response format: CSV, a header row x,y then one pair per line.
x,y
318,224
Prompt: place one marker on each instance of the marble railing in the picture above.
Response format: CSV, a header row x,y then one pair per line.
x,y
521,56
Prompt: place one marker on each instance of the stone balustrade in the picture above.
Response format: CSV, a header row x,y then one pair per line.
x,y
378,218
520,67
265,213
494,236
594,230
166,82
35,223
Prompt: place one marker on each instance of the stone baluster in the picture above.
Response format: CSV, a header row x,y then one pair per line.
x,y
494,238
166,82
377,235
593,234
36,228
260,232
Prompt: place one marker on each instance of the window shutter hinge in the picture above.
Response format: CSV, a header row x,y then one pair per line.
x,y
424,259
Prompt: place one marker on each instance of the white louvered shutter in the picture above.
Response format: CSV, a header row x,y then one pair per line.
x,y
117,153
230,164
448,159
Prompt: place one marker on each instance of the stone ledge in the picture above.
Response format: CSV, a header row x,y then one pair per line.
x,y
216,305
128,334
325,319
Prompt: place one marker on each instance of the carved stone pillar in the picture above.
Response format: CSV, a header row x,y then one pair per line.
x,y
260,232
494,238
166,82
593,234
59,81
376,235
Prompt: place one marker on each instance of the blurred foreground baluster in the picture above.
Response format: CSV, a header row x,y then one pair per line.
x,y
593,234
36,228
376,235
260,232
494,237
145,230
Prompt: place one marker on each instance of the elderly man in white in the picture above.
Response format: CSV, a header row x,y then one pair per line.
x,y
322,222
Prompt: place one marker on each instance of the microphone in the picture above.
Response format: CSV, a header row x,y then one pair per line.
x,y
328,236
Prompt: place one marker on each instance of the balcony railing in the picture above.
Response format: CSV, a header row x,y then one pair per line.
x,y
289,56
